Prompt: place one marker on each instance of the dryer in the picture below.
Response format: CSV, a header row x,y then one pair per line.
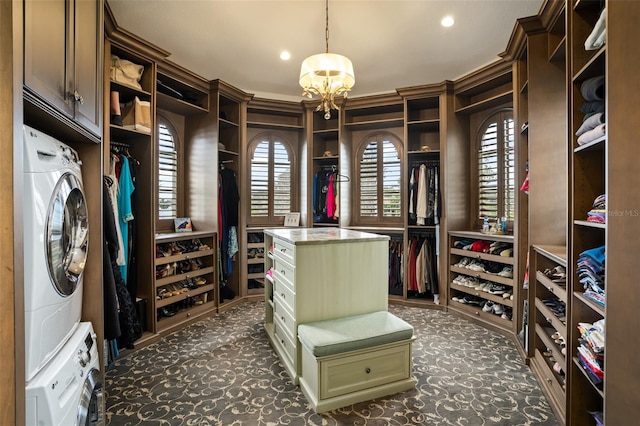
x,y
68,390
55,246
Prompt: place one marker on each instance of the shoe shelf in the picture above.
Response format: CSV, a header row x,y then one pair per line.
x,y
548,332
480,262
255,254
185,281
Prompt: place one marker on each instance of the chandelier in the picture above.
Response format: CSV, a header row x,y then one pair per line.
x,y
327,75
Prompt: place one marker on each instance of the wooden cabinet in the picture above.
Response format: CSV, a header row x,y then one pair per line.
x,y
255,262
185,278
63,59
324,148
547,333
479,260
319,273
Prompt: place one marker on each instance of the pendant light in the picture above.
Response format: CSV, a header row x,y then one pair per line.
x,y
327,75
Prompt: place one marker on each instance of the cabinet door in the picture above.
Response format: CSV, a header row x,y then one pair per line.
x,y
47,29
88,60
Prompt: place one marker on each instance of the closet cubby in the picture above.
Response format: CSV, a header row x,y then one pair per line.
x,y
470,267
185,277
255,262
374,112
178,95
272,114
484,94
423,124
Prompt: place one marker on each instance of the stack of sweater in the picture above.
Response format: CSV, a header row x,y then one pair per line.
x,y
598,212
593,124
591,267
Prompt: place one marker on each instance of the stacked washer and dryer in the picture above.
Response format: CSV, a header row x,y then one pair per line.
x,y
63,380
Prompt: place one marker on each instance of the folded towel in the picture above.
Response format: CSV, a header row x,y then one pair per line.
x,y
591,123
596,39
592,135
593,106
592,89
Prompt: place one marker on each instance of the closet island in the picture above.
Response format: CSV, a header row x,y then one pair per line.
x,y
315,274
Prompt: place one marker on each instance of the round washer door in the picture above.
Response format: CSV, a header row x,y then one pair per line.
x,y
67,234
91,401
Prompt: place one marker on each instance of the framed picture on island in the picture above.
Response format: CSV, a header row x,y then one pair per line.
x,y
292,219
183,224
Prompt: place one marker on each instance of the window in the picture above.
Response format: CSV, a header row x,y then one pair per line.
x,y
496,168
379,192
270,177
168,174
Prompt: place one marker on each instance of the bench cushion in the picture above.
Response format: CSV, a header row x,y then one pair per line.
x,y
346,334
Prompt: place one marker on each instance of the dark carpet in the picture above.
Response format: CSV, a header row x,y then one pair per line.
x,y
222,371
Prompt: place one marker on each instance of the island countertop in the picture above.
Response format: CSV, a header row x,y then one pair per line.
x,y
323,235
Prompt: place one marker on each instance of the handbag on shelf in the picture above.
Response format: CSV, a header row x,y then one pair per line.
x,y
126,72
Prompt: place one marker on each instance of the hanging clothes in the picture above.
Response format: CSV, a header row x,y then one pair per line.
x,y
228,199
422,277
424,194
326,194
125,190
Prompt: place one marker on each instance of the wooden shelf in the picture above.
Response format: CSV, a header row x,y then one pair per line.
x,y
551,319
375,124
191,293
485,104
483,256
179,277
274,125
559,291
482,294
178,106
594,145
184,256
586,223
556,253
590,303
482,275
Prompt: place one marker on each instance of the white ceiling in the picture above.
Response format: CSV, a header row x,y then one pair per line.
x,y
392,44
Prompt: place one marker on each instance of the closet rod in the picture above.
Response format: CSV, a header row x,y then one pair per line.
x,y
119,144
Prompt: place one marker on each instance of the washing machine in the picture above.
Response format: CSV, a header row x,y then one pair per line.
x,y
68,390
55,246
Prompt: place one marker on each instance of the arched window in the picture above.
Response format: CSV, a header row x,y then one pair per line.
x,y
168,174
496,168
379,191
270,177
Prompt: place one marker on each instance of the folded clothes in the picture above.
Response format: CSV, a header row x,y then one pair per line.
x,y
592,89
596,38
592,106
592,135
591,123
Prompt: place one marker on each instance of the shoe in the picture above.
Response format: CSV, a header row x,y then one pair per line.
x,y
498,309
507,295
488,307
476,266
462,263
498,289
507,272
471,300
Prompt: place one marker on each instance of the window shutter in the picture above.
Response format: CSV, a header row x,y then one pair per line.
x,y
509,207
391,180
488,173
369,181
260,180
281,180
167,174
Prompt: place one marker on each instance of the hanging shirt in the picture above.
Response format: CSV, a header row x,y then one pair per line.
x,y
421,208
125,190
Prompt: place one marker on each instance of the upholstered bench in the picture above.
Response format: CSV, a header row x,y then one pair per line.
x,y
354,359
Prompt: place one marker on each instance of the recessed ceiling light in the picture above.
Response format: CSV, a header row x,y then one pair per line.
x,y
447,21
285,56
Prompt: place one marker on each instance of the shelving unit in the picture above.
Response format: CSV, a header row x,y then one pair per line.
x,y
255,262
489,93
457,290
548,334
325,151
589,169
185,278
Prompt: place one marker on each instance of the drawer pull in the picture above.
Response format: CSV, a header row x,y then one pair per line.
x,y
282,341
367,370
549,320
550,289
282,271
549,380
283,295
282,318
283,250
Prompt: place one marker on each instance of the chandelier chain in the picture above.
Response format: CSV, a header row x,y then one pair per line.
x,y
326,30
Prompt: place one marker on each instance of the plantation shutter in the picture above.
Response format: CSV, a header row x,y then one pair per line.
x,y
496,169
281,180
369,181
260,180
488,173
509,207
167,174
391,180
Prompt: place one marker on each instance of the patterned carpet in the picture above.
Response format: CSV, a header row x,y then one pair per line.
x,y
222,371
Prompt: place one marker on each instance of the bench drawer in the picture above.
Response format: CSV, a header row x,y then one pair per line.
x,y
354,371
